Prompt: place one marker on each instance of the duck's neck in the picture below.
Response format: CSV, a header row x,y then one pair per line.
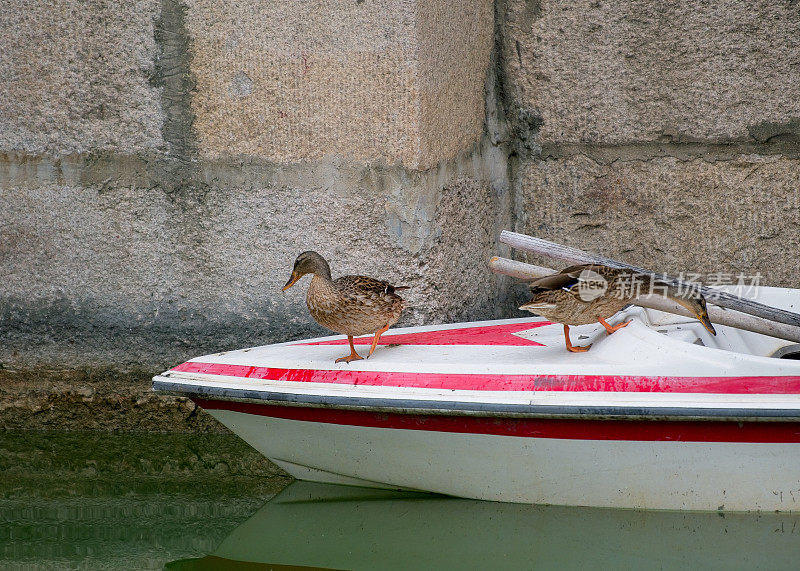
x,y
321,291
319,280
322,269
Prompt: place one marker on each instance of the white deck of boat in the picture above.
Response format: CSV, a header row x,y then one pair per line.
x,y
638,349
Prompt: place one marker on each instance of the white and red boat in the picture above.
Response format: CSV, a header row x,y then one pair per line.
x,y
658,415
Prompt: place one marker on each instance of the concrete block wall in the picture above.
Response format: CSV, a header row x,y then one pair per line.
x,y
162,163
76,78
663,134
381,82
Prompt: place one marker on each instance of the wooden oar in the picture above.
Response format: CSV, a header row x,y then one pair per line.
x,y
717,297
717,315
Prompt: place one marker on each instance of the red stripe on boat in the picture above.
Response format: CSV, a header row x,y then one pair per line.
x,y
638,430
483,335
776,385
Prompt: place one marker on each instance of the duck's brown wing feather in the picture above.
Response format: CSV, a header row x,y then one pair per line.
x,y
568,277
366,285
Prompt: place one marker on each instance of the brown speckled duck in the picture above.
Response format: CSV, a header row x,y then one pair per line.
x,y
583,294
350,305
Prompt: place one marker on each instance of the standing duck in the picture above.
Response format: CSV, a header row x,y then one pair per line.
x,y
349,305
583,294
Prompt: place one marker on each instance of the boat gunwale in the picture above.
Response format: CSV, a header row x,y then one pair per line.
x,y
474,409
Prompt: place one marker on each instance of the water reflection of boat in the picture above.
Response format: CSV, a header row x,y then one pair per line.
x,y
311,525
658,415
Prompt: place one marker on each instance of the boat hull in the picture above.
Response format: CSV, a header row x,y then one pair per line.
x,y
659,415
650,464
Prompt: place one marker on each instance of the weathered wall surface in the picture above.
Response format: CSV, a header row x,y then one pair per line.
x,y
735,216
163,163
75,77
663,134
618,72
382,82
124,272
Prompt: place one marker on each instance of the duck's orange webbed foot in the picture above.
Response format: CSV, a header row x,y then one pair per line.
x,y
353,356
375,340
612,328
573,349
570,347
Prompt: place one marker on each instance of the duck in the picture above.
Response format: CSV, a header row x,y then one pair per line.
x,y
348,305
589,293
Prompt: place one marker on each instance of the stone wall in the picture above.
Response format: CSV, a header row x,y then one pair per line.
x,y
663,134
154,202
163,162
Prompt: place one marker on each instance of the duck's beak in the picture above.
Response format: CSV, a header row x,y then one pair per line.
x,y
699,310
290,283
703,317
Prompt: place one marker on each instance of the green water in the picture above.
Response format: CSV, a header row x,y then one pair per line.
x,y
124,501
203,502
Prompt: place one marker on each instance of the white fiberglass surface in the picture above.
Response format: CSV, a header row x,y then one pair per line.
x,y
608,473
